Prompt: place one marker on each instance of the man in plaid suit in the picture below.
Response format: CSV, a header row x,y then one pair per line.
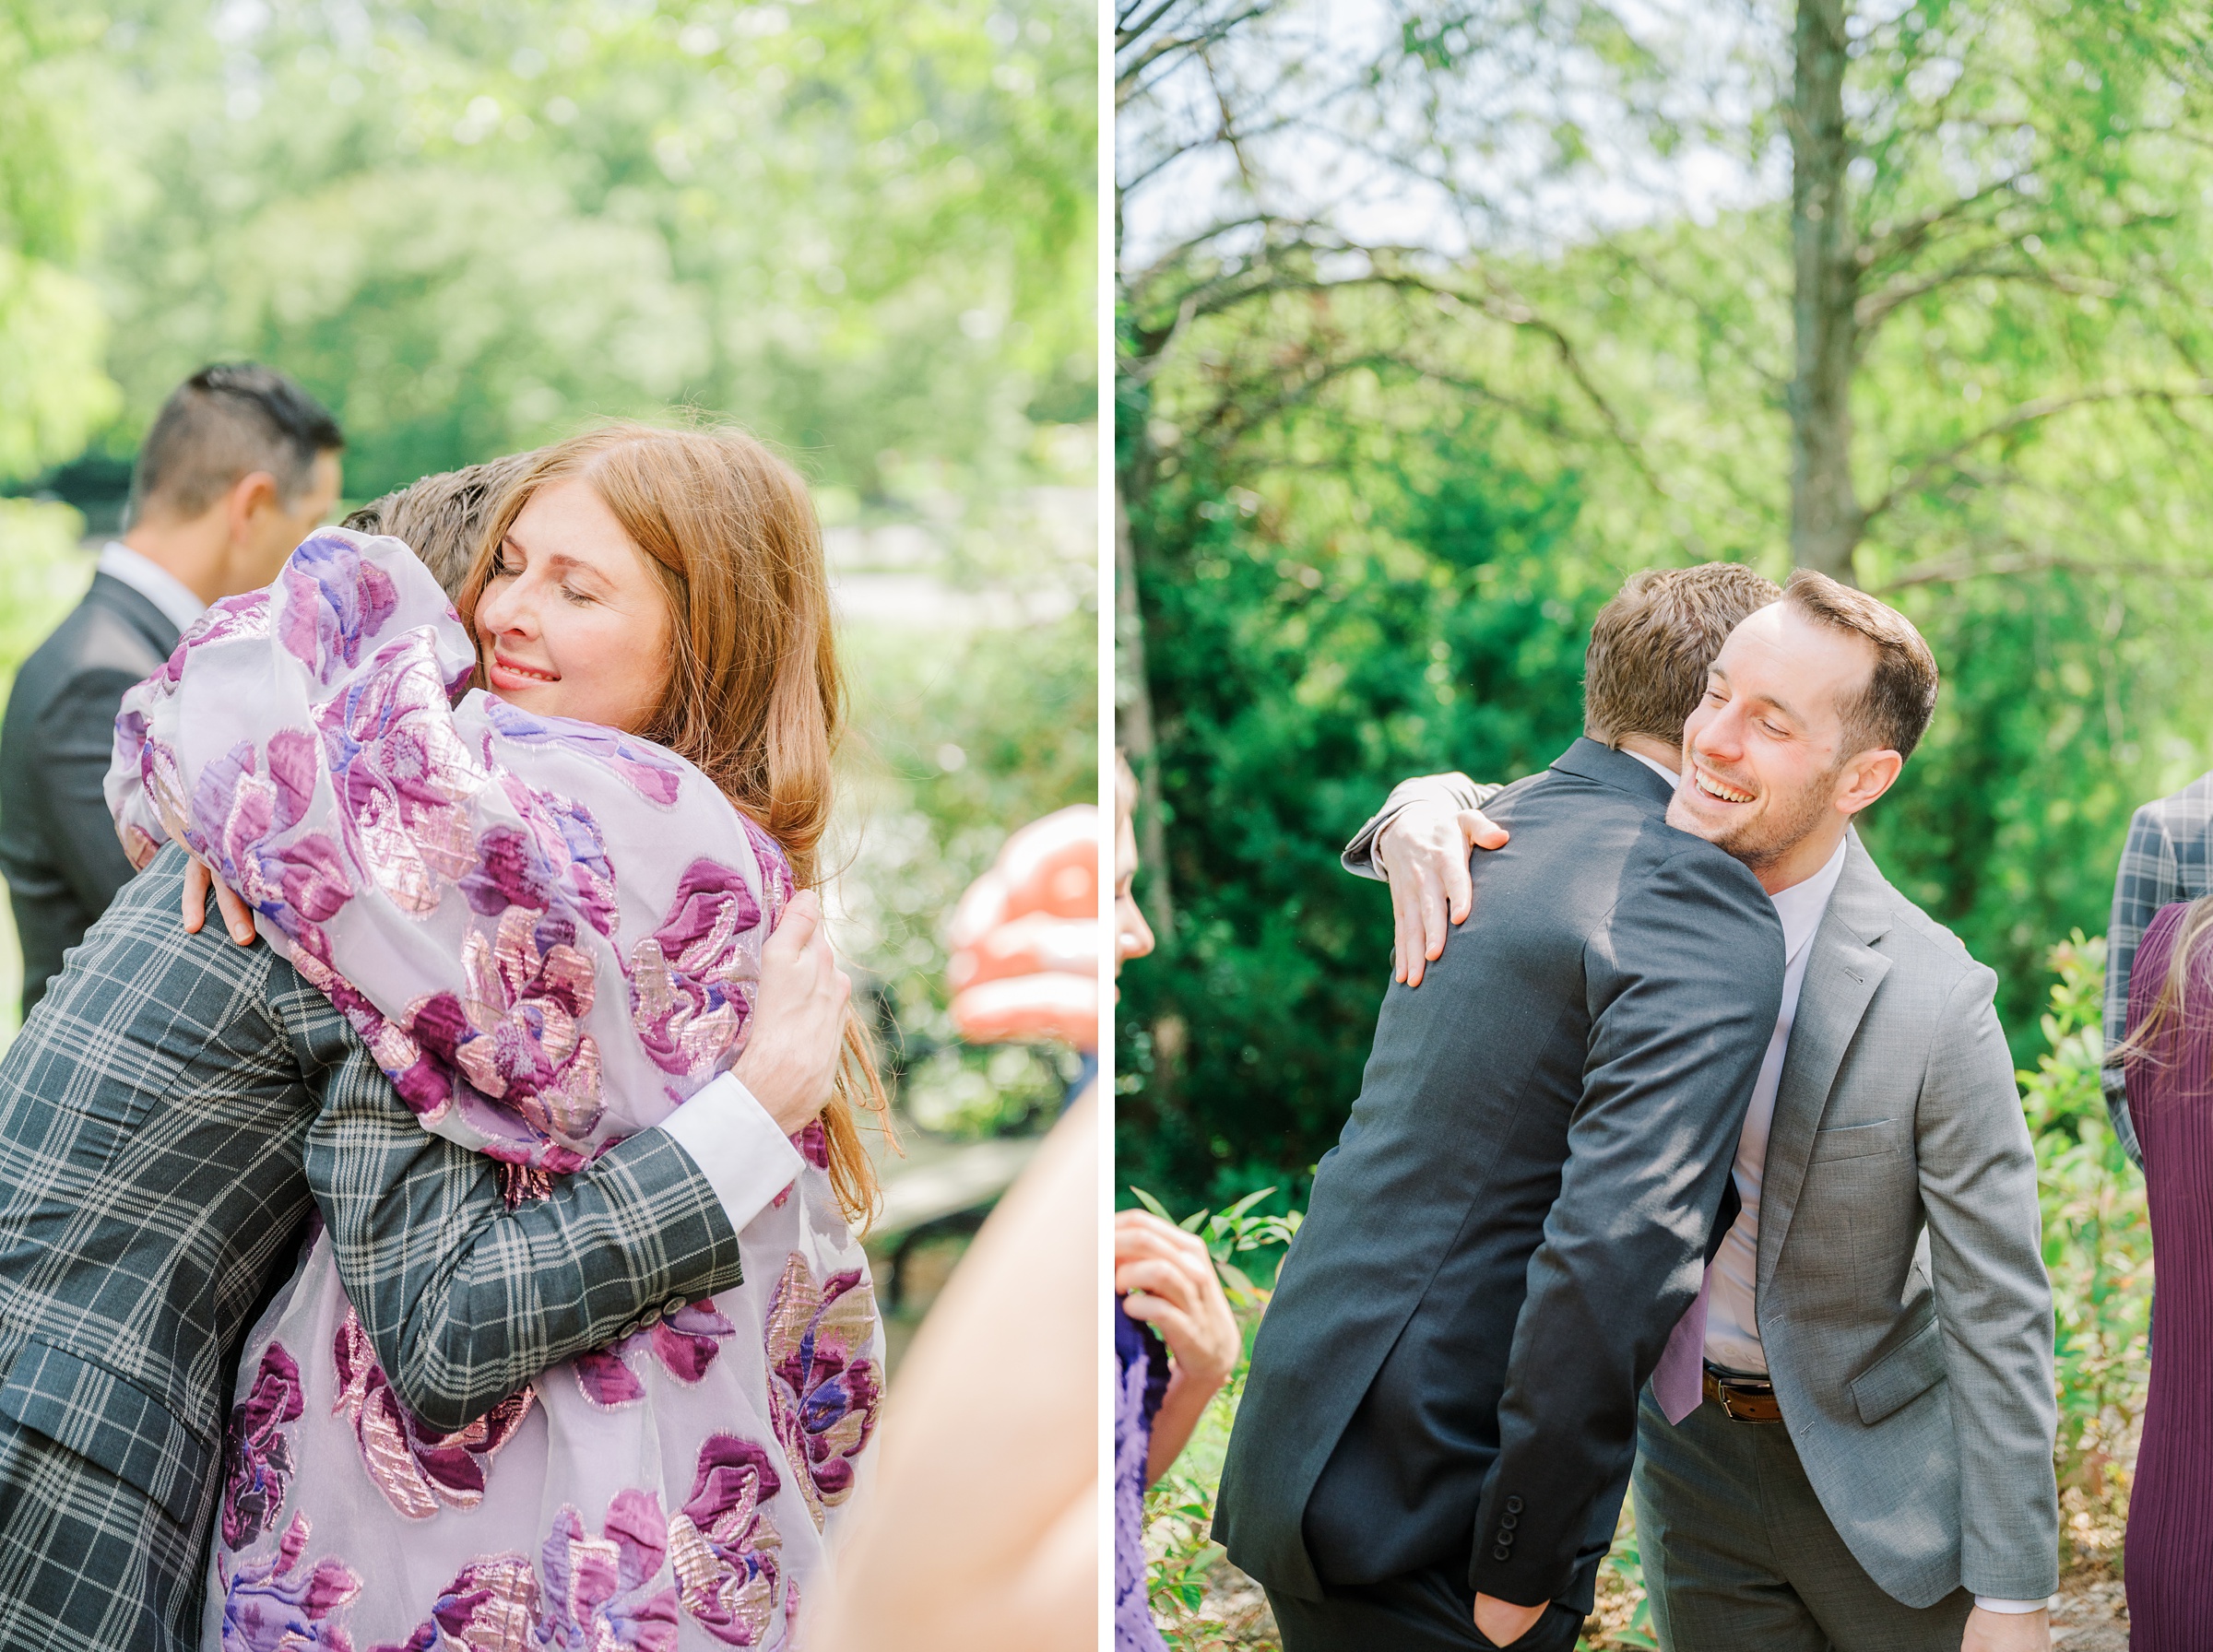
x,y
2169,857
172,1117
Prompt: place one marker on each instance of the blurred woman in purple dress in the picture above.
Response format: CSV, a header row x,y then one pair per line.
x,y
2169,1061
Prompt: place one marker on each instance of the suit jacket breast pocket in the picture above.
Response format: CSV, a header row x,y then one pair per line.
x,y
1853,1142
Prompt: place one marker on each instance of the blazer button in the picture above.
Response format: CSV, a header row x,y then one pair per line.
x,y
1509,1519
1513,1505
1506,1536
1502,1553
673,1307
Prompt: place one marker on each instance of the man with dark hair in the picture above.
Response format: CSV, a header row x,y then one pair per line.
x,y
239,466
1433,1445
1847,1446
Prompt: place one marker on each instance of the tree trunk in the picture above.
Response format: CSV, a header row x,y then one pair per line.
x,y
1826,519
1133,729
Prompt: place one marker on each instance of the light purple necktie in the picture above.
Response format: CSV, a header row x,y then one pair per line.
x,y
1679,1380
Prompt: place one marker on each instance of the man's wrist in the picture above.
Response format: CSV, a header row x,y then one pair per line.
x,y
740,1149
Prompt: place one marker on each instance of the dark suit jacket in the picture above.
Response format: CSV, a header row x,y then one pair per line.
x,y
1516,1213
58,842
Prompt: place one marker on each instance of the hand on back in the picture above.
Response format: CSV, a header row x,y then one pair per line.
x,y
798,1023
1424,855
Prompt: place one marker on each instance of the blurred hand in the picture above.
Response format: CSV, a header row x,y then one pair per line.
x,y
1025,938
2006,1632
238,917
1423,853
1502,1622
1169,1283
799,1022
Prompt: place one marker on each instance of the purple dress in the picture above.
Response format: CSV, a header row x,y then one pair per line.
x,y
1142,1372
2170,1509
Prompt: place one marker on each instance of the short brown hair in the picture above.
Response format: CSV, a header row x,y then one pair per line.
x,y
1892,712
1645,670
441,517
225,423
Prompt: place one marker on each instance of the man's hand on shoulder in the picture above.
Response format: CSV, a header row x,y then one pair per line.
x,y
1423,854
1502,1622
2006,1632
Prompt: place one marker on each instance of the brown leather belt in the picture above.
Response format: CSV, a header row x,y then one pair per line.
x,y
1743,1398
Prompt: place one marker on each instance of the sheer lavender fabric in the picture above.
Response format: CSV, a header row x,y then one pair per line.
x,y
548,934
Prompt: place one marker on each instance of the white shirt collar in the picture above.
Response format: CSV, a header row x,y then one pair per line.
x,y
178,602
1801,906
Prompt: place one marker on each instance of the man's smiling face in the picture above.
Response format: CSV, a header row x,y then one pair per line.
x,y
1765,763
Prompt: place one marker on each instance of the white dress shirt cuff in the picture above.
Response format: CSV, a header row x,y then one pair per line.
x,y
2011,1607
737,1146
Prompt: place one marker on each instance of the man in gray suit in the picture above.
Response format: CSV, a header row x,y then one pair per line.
x,y
1433,1441
239,466
1871,1465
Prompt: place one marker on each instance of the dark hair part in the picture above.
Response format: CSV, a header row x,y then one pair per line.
x,y
1645,670
225,423
441,517
1892,712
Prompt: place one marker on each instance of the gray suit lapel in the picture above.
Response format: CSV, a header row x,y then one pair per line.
x,y
1841,973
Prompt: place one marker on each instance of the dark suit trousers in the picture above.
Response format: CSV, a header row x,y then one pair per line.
x,y
1425,1612
1738,1552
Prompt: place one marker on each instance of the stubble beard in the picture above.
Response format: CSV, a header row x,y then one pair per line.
x,y
1788,822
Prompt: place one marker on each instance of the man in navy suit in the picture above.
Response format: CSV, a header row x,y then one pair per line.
x,y
240,464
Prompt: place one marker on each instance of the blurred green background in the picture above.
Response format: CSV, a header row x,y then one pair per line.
x,y
865,229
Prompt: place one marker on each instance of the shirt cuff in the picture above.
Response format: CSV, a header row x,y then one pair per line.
x,y
728,1134
2011,1607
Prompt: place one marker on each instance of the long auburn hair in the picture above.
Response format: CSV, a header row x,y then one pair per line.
x,y
754,697
2165,1017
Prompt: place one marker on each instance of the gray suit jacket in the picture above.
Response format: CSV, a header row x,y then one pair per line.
x,y
171,1117
57,843
1901,1292
1516,1214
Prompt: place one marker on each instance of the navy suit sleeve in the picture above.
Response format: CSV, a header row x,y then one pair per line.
x,y
1685,980
71,744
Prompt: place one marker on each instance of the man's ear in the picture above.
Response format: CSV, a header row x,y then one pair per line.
x,y
250,495
1865,778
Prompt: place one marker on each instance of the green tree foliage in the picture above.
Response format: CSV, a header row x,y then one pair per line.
x,y
864,229
1482,221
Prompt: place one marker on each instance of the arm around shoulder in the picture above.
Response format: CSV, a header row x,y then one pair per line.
x,y
464,1299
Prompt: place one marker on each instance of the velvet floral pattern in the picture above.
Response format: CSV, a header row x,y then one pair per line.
x,y
491,1605
283,1604
257,1457
724,1543
416,1468
822,1392
547,935
685,1344
599,1591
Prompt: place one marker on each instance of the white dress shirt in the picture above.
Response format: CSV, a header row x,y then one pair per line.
x,y
1732,1327
178,602
746,1159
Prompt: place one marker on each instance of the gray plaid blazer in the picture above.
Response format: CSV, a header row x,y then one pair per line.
x,y
2167,857
171,1116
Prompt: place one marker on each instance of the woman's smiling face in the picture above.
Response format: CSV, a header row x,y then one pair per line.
x,y
574,621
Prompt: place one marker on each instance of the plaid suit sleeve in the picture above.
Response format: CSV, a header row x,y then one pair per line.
x,y
2149,878
466,1300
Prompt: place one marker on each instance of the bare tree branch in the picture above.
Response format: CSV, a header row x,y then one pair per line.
x,y
2027,414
